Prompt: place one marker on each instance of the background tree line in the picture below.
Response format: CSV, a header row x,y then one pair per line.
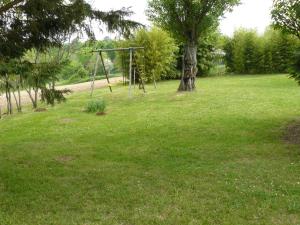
x,y
250,53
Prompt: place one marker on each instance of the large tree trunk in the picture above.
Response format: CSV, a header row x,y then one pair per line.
x,y
9,103
190,68
36,91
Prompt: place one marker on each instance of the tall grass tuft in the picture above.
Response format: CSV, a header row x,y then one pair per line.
x,y
96,106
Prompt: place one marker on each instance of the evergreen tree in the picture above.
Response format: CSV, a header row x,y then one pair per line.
x,y
26,24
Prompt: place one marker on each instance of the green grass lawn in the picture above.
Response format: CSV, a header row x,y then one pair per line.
x,y
215,156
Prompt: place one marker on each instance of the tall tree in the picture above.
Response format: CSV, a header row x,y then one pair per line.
x,y
286,16
188,21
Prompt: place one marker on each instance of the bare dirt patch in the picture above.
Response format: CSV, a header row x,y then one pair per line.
x,y
66,121
65,159
100,114
40,110
292,133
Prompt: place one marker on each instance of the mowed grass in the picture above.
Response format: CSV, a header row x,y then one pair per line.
x,y
215,156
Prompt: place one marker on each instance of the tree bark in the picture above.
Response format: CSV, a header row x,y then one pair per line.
x,y
20,99
31,98
190,68
35,97
16,100
8,95
9,103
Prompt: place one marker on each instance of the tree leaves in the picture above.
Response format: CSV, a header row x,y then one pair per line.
x,y
43,23
286,16
187,20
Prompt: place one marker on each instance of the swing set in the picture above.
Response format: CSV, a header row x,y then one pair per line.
x,y
132,68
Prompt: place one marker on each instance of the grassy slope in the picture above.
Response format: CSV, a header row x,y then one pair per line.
x,y
216,158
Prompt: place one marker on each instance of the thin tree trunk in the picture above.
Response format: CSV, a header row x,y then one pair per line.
x,y
16,100
190,68
20,99
9,102
31,98
8,96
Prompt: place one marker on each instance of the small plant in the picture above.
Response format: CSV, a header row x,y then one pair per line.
x,y
96,106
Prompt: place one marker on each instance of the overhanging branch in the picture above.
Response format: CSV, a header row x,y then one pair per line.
x,y
9,5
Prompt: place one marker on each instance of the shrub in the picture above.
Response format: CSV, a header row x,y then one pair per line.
x,y
96,106
295,71
157,61
50,96
73,71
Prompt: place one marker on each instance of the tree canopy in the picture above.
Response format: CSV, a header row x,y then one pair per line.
x,y
286,16
26,24
188,19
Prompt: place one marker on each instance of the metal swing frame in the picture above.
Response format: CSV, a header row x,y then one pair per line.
x,y
100,57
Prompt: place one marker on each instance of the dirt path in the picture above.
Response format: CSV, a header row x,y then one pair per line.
x,y
73,87
292,133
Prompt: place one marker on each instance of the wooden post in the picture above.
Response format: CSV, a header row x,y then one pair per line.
x,y
94,76
183,66
134,73
123,75
105,71
154,81
130,71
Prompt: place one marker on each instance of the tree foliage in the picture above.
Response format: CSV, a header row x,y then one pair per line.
x,y
187,20
159,56
41,23
286,16
157,61
42,27
295,73
249,53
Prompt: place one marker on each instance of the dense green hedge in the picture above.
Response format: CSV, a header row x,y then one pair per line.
x,y
249,53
